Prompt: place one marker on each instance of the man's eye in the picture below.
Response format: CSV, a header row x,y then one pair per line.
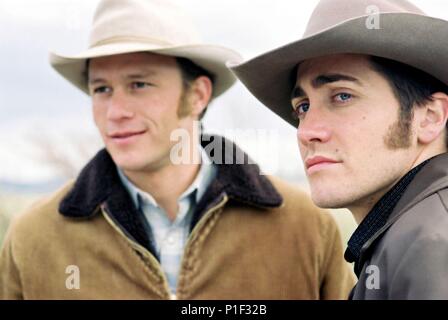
x,y
139,85
102,89
343,97
300,110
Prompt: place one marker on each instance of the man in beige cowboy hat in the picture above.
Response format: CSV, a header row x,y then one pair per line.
x,y
368,88
137,225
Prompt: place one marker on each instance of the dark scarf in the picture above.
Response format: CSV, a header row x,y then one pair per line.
x,y
377,218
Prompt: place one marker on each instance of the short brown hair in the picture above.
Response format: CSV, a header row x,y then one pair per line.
x,y
190,72
411,86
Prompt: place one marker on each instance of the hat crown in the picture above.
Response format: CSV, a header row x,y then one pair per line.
x,y
153,21
329,13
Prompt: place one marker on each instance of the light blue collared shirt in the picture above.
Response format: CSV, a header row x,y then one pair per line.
x,y
170,237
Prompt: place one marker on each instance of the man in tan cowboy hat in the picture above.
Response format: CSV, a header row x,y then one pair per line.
x,y
137,225
368,87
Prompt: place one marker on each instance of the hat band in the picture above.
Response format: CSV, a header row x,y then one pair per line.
x,y
124,39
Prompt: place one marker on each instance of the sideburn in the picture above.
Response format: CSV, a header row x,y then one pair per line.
x,y
399,133
184,108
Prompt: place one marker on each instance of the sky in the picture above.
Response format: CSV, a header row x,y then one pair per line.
x,y
39,108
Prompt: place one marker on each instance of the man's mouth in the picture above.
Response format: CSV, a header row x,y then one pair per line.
x,y
123,136
317,162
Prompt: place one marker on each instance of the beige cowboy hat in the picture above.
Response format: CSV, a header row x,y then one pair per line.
x,y
396,30
158,26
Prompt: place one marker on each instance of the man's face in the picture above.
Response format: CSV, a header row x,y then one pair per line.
x,y
350,137
135,100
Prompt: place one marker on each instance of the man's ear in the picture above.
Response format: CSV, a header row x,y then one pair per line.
x,y
200,94
433,118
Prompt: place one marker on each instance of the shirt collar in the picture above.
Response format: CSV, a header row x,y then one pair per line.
x,y
204,177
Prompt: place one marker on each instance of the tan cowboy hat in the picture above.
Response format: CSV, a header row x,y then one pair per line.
x,y
158,26
397,30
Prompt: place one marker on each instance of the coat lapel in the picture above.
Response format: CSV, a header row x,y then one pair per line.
x,y
98,184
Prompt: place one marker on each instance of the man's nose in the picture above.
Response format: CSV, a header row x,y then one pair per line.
x,y
314,127
119,106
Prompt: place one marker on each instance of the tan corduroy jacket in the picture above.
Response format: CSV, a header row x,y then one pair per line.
x,y
252,238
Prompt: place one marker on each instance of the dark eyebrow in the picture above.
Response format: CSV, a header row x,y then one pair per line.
x,y
297,92
322,80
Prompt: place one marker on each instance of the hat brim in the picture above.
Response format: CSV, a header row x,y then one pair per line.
x,y
416,40
211,58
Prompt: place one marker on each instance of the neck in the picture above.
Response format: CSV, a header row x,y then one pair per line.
x,y
362,207
167,183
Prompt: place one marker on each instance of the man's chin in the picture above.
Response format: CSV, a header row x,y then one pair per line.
x,y
127,162
138,165
326,201
131,167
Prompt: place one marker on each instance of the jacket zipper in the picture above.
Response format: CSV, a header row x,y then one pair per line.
x,y
195,231
149,256
139,248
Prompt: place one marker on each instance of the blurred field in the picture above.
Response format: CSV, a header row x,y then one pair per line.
x,y
346,223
